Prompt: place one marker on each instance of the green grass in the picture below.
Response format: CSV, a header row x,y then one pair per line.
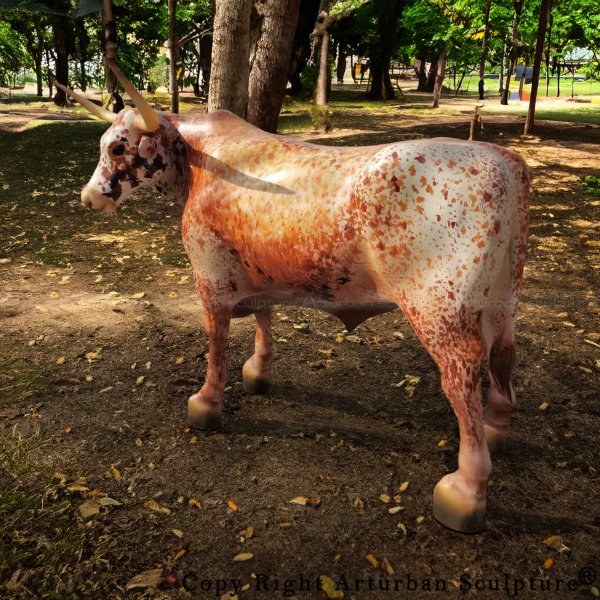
x,y
16,386
580,88
577,113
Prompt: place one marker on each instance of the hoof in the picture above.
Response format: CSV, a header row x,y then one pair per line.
x,y
456,510
202,415
497,440
253,382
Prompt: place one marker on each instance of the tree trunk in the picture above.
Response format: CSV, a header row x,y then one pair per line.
x,y
321,98
108,44
230,57
439,78
340,70
518,4
38,74
548,50
173,51
558,80
537,61
484,49
381,52
422,86
270,67
62,61
501,78
433,69
524,76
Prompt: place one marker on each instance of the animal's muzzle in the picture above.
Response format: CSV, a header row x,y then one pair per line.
x,y
97,201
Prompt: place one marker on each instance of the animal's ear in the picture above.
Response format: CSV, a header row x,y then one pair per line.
x,y
147,147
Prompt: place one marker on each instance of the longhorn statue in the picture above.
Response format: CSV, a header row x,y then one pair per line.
x,y
437,227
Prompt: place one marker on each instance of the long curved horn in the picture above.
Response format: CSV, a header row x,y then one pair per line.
x,y
99,111
148,120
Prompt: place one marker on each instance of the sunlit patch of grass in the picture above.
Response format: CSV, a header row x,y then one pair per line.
x,y
15,454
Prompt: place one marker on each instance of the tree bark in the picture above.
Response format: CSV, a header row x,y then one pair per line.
x,y
340,69
270,67
537,61
548,49
439,78
230,57
484,49
62,60
173,50
422,86
108,44
381,52
518,4
321,97
433,69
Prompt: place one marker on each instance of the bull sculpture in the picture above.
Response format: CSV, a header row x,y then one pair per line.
x,y
436,227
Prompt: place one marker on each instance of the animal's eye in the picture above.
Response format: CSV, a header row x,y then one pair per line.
x,y
117,150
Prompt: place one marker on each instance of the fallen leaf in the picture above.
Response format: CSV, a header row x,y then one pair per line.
x,y
591,343
372,560
403,486
53,294
326,351
548,563
64,280
115,472
304,501
358,503
138,442
387,567
568,324
354,339
232,505
177,532
181,553
304,327
194,502
60,360
79,485
384,498
89,508
395,509
543,406
140,380
156,507
173,295
340,339
106,389
146,579
420,519
94,355
138,295
89,378
179,360
555,542
442,443
107,501
285,525
337,557
244,556
68,429
329,587
402,528
247,533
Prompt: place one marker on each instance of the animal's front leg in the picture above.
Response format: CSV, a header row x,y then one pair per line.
x,y
257,369
204,408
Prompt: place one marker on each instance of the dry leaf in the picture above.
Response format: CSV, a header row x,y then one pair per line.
x,y
384,498
304,501
139,442
89,508
89,378
181,553
106,389
53,294
555,542
232,505
146,579
140,380
402,528
107,501
548,563
403,486
337,557
173,295
568,324
177,532
80,485
326,351
358,503
420,519
372,560
244,556
179,360
68,429
247,533
138,295
543,406
329,587
194,502
387,567
60,360
395,509
194,439
115,472
442,443
156,507
285,525
93,356
340,339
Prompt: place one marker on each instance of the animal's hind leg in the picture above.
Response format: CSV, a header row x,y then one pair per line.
x,y
455,343
501,398
257,369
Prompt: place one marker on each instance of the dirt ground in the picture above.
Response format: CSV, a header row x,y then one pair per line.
x,y
101,345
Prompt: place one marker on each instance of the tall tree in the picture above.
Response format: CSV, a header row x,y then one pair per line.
x,y
381,52
537,61
514,50
230,66
271,61
173,49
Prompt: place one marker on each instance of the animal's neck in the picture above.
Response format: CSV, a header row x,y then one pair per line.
x,y
175,182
